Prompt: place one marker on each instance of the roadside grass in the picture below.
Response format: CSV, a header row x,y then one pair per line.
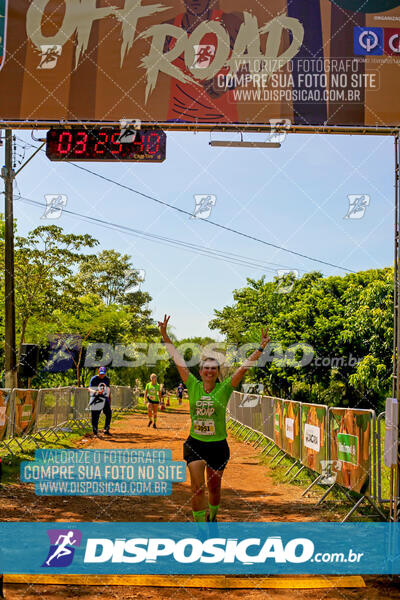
x,y
334,508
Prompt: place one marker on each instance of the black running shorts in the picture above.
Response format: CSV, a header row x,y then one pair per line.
x,y
216,454
153,401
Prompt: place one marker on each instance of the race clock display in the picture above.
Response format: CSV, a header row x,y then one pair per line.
x,y
106,144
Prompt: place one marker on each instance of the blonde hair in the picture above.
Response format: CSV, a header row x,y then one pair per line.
x,y
153,375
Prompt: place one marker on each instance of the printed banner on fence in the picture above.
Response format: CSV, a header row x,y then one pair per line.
x,y
291,428
350,432
4,412
200,548
314,436
25,412
278,422
310,62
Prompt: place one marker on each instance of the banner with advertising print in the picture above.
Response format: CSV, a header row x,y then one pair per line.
x,y
5,405
291,428
278,422
314,436
309,62
25,411
350,439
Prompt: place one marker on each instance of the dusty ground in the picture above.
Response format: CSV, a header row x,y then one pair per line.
x,y
249,494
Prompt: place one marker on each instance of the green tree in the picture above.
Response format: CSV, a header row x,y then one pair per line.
x,y
347,321
43,261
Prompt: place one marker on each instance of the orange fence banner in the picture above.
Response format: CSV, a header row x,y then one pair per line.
x,y
291,428
314,436
351,437
4,413
25,411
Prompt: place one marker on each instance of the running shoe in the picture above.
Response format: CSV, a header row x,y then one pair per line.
x,y
107,432
209,520
154,426
149,423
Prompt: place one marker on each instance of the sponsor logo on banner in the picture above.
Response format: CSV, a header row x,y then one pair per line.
x,y
392,42
347,448
368,41
289,428
312,437
276,422
62,547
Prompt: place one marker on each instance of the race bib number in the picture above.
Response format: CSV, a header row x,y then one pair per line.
x,y
204,427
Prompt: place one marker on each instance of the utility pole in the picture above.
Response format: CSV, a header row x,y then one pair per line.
x,y
10,355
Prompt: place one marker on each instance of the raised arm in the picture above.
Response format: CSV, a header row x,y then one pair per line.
x,y
172,351
251,360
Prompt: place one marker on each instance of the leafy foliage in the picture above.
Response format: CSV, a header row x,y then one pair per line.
x,y
347,321
60,288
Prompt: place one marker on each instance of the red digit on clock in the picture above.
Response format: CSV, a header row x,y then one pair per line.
x,y
151,143
100,145
140,143
81,144
65,139
116,143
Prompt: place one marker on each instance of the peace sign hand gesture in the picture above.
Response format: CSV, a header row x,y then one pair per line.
x,y
264,337
163,326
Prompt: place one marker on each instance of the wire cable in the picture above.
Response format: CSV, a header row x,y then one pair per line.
x,y
203,250
213,223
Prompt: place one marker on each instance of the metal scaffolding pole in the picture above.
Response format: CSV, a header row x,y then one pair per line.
x,y
395,473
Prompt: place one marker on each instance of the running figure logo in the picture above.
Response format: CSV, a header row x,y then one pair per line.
x,y
50,56
251,395
62,547
358,204
204,203
55,204
203,55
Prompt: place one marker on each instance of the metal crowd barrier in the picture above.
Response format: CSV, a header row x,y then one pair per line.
x,y
28,415
123,398
341,446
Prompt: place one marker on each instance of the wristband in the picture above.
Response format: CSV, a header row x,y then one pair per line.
x,y
261,349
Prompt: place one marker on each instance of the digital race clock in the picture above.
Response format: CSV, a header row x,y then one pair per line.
x,y
106,144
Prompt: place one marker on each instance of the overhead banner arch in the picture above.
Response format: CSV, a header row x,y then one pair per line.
x,y
310,62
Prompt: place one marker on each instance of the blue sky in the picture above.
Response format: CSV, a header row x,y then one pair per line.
x,y
295,197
